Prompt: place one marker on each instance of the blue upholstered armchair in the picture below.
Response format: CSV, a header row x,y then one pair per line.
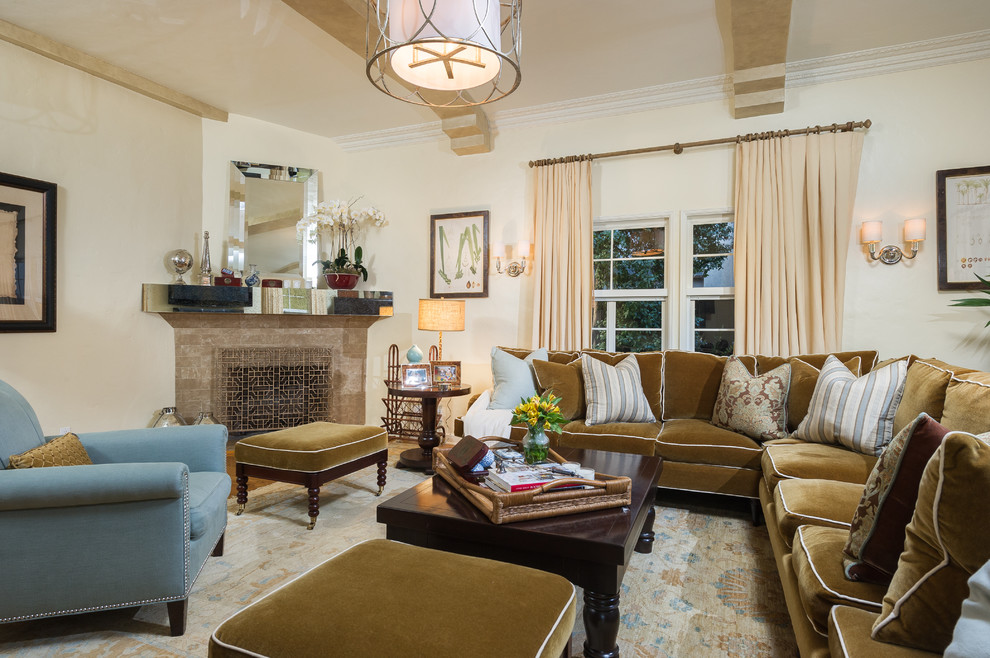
x,y
133,528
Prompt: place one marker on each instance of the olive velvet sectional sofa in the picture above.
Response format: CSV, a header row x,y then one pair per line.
x,y
809,492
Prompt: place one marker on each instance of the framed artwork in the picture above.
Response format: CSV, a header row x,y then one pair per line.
x,y
27,254
415,375
459,254
446,373
963,197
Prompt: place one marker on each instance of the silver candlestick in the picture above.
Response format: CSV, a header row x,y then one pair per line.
x,y
205,269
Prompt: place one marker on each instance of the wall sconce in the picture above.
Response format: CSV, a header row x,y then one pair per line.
x,y
514,267
872,232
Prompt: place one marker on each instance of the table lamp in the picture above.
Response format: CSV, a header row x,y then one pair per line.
x,y
441,315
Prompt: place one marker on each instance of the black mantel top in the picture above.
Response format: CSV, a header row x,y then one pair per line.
x,y
169,299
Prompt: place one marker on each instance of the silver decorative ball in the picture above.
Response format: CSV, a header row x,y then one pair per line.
x,y
178,262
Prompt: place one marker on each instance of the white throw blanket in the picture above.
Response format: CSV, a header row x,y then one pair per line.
x,y
480,421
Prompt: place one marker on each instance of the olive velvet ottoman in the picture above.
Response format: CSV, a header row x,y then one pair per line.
x,y
381,598
311,455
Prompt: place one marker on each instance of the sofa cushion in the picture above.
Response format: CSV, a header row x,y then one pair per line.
x,y
513,377
755,405
868,359
207,510
650,372
856,412
876,536
566,381
814,460
614,394
700,442
849,636
947,540
967,403
969,637
814,502
65,450
817,560
804,376
691,381
924,392
635,438
19,430
553,356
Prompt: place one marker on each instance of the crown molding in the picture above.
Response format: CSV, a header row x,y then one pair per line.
x,y
423,132
891,59
875,61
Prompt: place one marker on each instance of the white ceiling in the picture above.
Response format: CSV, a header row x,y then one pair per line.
x,y
261,59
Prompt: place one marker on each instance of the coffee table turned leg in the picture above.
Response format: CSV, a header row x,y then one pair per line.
x,y
646,537
382,470
601,624
314,506
242,481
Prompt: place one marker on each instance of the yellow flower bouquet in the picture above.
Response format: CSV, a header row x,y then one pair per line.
x,y
538,414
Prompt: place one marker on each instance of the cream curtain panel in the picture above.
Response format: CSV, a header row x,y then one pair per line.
x,y
562,267
794,201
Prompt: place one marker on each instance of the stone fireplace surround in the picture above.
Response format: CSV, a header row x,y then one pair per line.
x,y
197,335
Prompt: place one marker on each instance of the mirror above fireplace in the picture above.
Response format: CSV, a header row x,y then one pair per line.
x,y
266,202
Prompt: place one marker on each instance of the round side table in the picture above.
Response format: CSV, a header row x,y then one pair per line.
x,y
421,458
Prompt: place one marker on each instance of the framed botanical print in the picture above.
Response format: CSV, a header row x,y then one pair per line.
x,y
459,254
27,254
963,197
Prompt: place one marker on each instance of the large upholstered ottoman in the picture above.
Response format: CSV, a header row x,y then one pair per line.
x,y
382,598
310,455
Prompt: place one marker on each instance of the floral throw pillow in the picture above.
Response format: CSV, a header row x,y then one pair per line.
x,y
754,405
876,537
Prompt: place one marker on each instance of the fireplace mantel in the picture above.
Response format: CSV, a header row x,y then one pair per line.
x,y
198,335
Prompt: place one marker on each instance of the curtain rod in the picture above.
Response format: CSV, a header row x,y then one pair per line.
x,y
678,148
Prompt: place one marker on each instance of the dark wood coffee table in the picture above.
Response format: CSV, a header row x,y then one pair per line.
x,y
591,549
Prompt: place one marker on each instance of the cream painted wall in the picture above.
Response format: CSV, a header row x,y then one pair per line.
x,y
896,309
129,180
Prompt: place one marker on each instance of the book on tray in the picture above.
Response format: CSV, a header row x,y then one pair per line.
x,y
521,479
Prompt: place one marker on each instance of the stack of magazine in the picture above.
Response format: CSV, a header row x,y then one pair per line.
x,y
511,473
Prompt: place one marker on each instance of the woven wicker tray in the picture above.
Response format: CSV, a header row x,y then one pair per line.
x,y
505,507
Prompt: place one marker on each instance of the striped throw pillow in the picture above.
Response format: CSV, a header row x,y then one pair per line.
x,y
855,412
614,394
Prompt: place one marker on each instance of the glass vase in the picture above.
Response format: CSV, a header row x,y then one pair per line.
x,y
536,446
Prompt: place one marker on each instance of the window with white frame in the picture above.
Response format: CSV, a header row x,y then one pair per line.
x,y
708,290
630,284
651,295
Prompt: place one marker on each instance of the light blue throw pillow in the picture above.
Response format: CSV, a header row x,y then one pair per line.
x,y
513,377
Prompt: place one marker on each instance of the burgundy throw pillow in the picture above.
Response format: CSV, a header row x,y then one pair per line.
x,y
876,537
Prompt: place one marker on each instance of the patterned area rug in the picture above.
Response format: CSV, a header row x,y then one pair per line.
x,y
709,588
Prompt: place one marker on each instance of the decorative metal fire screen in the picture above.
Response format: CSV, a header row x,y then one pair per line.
x,y
259,389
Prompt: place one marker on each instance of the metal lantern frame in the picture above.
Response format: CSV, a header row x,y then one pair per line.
x,y
380,48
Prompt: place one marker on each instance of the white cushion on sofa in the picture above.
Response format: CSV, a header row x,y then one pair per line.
x,y
480,421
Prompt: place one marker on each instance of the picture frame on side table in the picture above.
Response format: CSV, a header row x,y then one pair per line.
x,y
27,254
963,227
446,373
416,375
459,254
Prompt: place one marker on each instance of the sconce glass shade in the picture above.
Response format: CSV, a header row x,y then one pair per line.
x,y
444,53
914,230
871,232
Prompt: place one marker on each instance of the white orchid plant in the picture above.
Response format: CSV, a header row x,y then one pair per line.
x,y
338,227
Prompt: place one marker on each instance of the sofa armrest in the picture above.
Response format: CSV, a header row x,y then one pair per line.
x,y
200,447
99,484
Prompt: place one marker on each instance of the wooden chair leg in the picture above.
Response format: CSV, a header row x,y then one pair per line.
x,y
242,490
177,616
314,506
382,470
218,549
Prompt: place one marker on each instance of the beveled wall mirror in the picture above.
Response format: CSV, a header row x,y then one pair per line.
x,y
266,202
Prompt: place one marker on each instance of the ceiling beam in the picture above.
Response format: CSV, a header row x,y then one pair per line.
x,y
347,22
111,73
759,51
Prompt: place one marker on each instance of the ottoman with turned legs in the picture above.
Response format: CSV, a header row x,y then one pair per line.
x,y
310,455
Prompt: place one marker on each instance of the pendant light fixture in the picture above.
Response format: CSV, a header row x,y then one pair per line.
x,y
444,53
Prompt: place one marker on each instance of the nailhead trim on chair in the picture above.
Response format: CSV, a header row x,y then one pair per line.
x,y
128,604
